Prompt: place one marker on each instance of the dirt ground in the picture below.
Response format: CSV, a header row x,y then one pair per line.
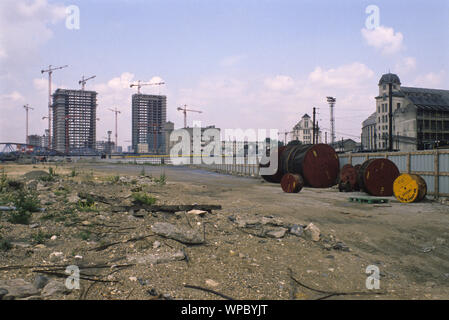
x,y
409,243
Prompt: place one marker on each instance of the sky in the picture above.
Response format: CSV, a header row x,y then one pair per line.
x,y
249,64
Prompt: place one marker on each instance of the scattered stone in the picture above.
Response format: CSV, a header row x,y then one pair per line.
x,y
212,283
40,281
428,249
139,214
17,289
134,279
40,246
78,257
197,212
297,230
20,244
56,256
73,198
152,292
340,246
312,232
277,233
158,258
156,244
183,235
34,225
3,292
53,288
86,223
53,238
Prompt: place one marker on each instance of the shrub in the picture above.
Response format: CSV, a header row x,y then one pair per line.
x,y
162,179
40,237
143,198
5,245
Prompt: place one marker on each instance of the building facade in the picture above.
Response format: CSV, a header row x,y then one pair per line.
x,y
420,116
369,136
303,131
74,120
36,140
149,115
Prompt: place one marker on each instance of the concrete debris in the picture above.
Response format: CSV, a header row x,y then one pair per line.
x,y
40,281
312,232
277,233
53,288
158,258
197,212
212,283
181,234
156,244
296,230
17,289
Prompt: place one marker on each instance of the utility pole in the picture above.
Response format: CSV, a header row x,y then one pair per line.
x,y
116,130
27,107
314,129
83,81
50,72
390,117
331,101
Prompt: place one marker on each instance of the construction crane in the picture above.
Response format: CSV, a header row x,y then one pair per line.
x,y
185,110
27,108
50,72
116,132
140,84
83,81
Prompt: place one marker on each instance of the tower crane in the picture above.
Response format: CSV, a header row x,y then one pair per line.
x,y
140,84
83,81
185,110
116,132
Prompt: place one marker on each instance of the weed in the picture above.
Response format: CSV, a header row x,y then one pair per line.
x,y
73,173
26,201
142,172
143,198
87,206
3,180
84,235
114,179
5,245
20,217
40,237
162,179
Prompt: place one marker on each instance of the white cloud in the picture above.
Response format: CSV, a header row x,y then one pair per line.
x,y
263,102
346,76
430,80
280,82
24,27
384,39
405,65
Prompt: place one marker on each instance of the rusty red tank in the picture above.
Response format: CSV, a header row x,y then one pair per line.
x,y
292,183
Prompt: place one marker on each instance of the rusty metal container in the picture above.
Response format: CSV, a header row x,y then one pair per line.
x,y
376,177
265,163
292,183
318,164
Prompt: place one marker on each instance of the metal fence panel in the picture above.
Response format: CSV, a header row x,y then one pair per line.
x,y
422,162
443,162
358,160
400,162
343,161
430,181
443,184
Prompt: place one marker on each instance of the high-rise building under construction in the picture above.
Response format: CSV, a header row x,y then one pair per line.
x,y
74,120
149,114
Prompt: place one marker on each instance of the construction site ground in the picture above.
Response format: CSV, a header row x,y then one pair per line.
x,y
409,243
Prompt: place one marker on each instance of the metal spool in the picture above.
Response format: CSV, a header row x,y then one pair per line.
x,y
409,188
376,177
357,169
292,183
265,163
318,164
348,175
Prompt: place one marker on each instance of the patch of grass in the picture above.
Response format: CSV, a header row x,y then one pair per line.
x,y
5,245
26,201
114,179
84,235
3,180
162,180
143,198
20,217
73,173
40,237
51,175
87,206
